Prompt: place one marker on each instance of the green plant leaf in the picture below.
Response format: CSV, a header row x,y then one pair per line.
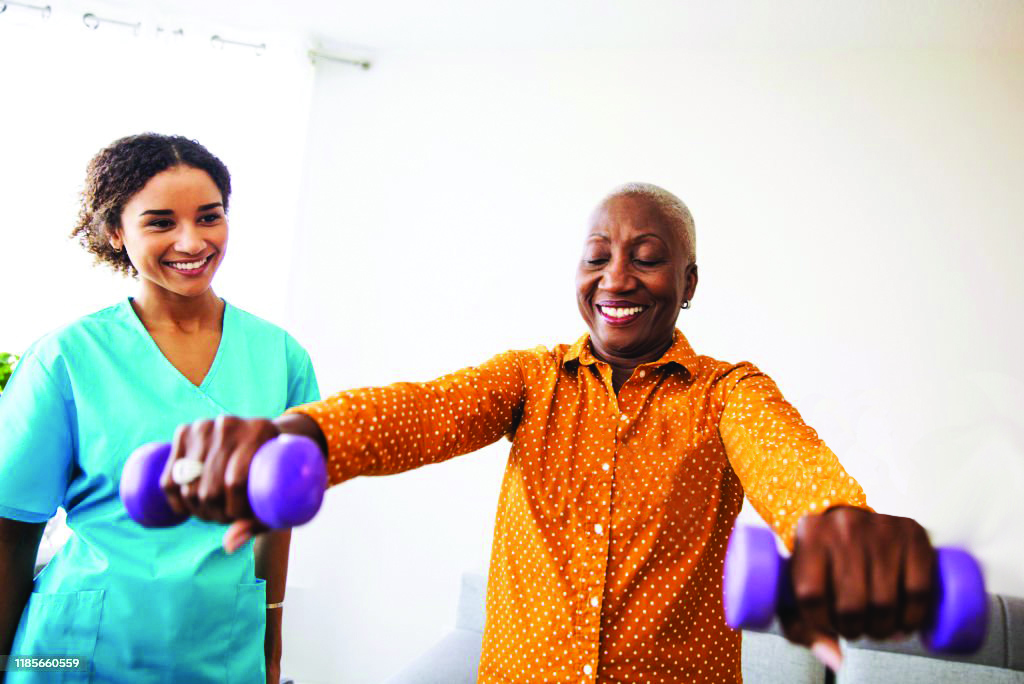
x,y
7,363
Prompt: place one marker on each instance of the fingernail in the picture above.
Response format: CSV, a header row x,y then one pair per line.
x,y
828,654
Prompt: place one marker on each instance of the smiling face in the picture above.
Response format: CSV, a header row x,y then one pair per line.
x,y
632,280
175,232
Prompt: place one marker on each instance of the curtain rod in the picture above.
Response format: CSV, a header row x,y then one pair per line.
x,y
93,22
218,42
45,10
314,55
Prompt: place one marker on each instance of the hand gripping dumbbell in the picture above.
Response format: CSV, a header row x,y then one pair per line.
x,y
287,481
757,581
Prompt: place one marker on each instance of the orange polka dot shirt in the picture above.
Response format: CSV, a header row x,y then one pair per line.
x,y
614,511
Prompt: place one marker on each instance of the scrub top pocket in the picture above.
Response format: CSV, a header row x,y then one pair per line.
x,y
248,630
61,625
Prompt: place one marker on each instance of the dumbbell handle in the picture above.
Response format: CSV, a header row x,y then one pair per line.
x,y
287,480
757,582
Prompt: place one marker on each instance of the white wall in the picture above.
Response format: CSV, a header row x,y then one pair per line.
x,y
858,238
67,92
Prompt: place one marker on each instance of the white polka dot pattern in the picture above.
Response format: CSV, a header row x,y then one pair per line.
x,y
614,511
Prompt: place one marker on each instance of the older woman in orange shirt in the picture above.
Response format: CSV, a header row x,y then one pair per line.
x,y
630,458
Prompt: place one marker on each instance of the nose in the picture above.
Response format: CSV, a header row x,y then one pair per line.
x,y
616,276
190,240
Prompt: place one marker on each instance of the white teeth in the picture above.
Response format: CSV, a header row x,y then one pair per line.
x,y
621,312
188,265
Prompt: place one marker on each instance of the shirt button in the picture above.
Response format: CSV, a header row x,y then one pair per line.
x,y
598,528
587,669
594,602
605,467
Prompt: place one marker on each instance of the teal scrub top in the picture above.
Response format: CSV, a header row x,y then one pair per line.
x,y
142,605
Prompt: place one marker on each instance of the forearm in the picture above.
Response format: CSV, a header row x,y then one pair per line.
x,y
19,543
271,556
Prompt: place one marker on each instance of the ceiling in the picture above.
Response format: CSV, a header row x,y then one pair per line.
x,y
385,25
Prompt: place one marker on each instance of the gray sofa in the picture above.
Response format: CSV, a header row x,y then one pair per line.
x,y
768,658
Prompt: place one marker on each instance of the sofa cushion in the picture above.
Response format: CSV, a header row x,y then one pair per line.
x,y
1013,612
862,666
1003,646
472,611
452,660
770,658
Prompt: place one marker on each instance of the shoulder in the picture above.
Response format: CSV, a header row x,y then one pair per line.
x,y
251,323
525,364
257,329
719,374
543,363
540,358
58,355
87,334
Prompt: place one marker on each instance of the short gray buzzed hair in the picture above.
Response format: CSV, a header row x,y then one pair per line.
x,y
670,205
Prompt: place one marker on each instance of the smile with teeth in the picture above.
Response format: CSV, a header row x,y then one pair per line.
x,y
188,265
620,311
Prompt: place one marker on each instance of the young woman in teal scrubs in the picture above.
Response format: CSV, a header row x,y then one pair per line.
x,y
142,605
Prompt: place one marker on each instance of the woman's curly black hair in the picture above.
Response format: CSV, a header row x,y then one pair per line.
x,y
122,169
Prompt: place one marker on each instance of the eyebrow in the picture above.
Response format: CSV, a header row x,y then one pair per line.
x,y
169,212
646,236
639,238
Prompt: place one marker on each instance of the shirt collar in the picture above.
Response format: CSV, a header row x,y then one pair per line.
x,y
680,352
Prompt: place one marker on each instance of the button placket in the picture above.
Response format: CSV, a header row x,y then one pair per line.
x,y
594,560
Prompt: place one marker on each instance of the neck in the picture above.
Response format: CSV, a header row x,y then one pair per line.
x,y
624,362
159,309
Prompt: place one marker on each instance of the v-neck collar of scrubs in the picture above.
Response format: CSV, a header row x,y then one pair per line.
x,y
227,327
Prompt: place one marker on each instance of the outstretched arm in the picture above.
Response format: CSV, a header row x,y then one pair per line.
x,y
855,572
372,431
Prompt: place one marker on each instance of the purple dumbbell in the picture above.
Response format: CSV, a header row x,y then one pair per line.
x,y
757,580
287,480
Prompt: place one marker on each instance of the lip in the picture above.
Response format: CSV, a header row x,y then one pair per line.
x,y
195,273
626,320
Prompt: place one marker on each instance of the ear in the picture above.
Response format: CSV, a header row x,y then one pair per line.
x,y
691,283
115,239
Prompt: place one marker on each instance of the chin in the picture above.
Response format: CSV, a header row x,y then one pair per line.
x,y
196,291
621,345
